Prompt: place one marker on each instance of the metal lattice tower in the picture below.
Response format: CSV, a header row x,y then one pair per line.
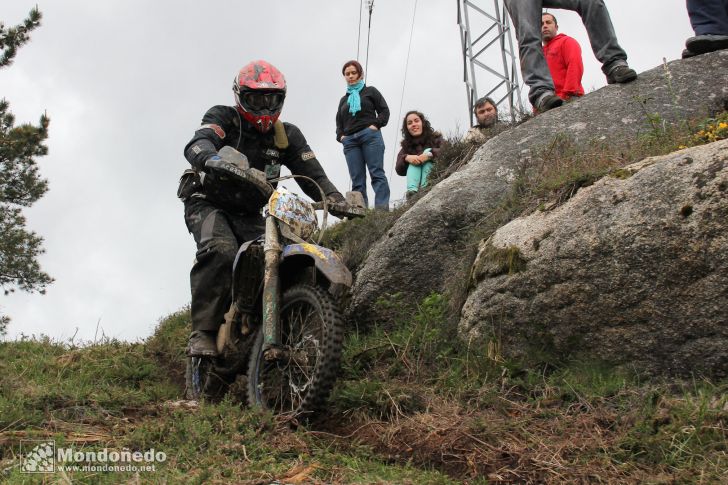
x,y
489,59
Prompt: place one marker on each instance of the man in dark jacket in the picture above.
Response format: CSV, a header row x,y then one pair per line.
x,y
220,216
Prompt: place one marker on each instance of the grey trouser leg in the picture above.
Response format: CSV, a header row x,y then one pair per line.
x,y
218,236
526,15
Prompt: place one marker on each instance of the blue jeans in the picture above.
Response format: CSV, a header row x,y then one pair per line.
x,y
365,149
526,15
708,16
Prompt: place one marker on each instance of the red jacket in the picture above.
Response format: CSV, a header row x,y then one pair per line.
x,y
563,55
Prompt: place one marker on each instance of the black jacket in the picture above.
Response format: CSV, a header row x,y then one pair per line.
x,y
374,111
223,126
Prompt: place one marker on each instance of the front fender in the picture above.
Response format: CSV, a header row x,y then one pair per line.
x,y
327,261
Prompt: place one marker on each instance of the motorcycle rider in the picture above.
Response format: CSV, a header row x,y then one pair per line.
x,y
221,218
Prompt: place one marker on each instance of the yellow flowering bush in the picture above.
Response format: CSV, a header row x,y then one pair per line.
x,y
713,129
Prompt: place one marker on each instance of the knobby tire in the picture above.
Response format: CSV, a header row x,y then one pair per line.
x,y
311,335
204,381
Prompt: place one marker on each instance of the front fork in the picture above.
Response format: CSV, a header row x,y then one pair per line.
x,y
271,287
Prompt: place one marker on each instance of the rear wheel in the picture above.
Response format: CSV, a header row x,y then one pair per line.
x,y
296,378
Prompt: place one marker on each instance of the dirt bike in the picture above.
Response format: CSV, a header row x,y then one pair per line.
x,y
284,328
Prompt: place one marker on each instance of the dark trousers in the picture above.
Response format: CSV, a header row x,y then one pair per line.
x,y
708,16
218,235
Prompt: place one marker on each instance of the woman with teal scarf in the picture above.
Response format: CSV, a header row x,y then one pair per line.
x,y
362,113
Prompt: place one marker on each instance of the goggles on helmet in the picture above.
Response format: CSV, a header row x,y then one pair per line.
x,y
258,101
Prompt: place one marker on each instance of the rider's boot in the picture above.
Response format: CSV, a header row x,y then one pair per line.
x,y
202,344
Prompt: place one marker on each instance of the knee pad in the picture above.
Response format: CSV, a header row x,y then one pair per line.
x,y
222,250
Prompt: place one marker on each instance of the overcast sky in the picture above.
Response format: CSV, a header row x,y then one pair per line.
x,y
126,82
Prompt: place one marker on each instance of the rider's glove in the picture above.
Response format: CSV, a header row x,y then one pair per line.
x,y
335,198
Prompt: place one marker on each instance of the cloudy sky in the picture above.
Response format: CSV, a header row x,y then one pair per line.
x,y
126,82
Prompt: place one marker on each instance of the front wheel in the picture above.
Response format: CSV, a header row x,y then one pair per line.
x,y
296,378
204,379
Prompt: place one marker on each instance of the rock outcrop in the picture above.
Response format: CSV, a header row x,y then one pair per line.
x,y
630,270
417,253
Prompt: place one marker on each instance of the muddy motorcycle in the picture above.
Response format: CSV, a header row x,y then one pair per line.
x,y
284,328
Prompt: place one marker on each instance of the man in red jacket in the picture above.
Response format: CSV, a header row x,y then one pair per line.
x,y
563,55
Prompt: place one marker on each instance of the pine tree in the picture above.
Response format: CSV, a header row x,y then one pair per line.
x,y
20,182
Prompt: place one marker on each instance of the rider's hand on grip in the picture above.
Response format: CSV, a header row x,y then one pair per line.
x,y
356,207
214,162
335,198
211,161
349,207
222,167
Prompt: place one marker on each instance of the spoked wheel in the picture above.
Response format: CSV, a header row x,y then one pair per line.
x,y
204,379
296,378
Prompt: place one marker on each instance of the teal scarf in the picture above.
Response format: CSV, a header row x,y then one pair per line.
x,y
354,99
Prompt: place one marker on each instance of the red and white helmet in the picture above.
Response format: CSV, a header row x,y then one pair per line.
x,y
260,90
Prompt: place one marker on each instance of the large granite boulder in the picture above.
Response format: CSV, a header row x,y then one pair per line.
x,y
416,255
631,270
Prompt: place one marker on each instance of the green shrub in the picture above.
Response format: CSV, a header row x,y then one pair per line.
x,y
168,344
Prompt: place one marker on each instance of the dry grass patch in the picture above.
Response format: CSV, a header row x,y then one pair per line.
x,y
526,442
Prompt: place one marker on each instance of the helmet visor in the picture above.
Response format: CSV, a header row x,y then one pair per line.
x,y
258,101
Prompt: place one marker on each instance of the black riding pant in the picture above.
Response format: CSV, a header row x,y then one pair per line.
x,y
218,235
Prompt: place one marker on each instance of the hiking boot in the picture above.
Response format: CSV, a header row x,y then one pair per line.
x,y
202,344
686,53
621,74
548,101
701,44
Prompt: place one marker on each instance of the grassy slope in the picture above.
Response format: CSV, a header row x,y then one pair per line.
x,y
412,406
118,395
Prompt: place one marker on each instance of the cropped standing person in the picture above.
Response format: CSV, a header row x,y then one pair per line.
x,y
362,113
526,15
420,145
709,19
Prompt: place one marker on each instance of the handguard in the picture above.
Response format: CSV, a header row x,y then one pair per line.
x,y
246,175
351,208
344,210
233,184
